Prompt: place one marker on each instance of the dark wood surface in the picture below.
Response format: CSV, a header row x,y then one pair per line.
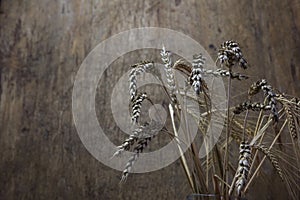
x,y
43,43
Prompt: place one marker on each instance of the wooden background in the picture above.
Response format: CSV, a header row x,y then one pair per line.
x,y
43,44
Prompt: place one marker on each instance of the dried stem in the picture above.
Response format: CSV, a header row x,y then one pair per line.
x,y
261,162
182,157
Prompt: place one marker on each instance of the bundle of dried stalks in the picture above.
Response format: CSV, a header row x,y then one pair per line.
x,y
270,126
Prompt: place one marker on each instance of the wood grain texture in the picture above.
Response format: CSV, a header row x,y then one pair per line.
x,y
43,44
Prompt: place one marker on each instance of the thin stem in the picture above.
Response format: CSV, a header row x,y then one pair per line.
x,y
225,174
259,119
182,157
221,180
208,110
245,124
261,162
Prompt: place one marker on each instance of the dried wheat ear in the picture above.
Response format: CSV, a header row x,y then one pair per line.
x,y
141,136
196,79
269,94
230,54
167,61
136,107
137,69
248,105
292,119
243,167
272,157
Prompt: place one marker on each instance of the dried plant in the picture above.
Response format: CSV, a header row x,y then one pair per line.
x,y
141,136
231,54
137,69
142,144
268,91
139,132
291,121
167,61
270,124
243,167
136,107
196,80
248,105
274,160
226,73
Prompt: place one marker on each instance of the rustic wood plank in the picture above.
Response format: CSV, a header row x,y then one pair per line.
x,y
42,46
